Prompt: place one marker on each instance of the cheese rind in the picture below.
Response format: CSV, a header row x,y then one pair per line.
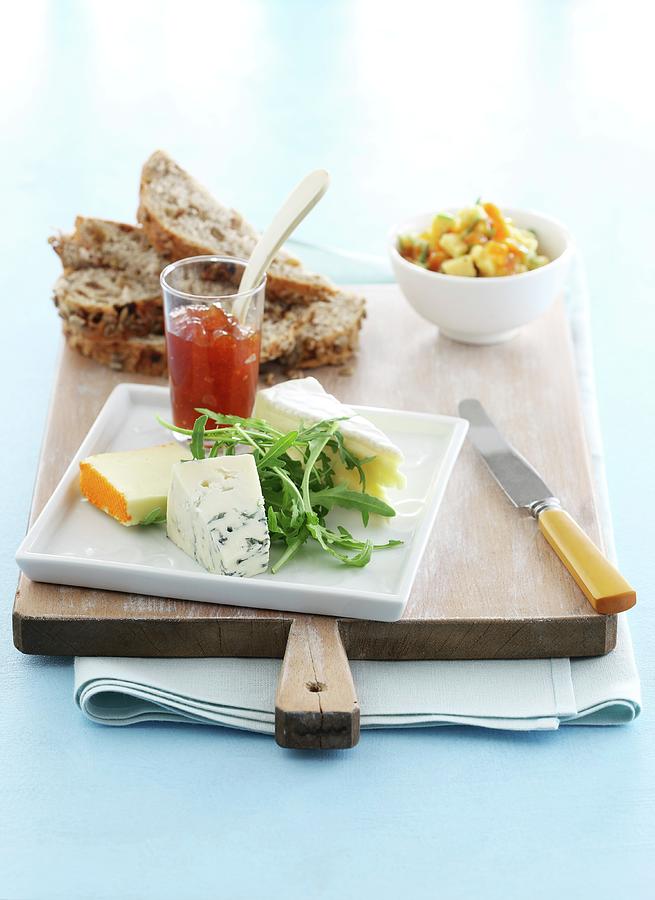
x,y
287,405
216,515
129,485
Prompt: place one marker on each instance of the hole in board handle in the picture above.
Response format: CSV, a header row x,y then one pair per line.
x,y
315,686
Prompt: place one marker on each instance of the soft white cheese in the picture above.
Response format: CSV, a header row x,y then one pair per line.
x,y
287,405
216,515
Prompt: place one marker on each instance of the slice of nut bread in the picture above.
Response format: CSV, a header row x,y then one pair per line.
x,y
110,286
107,306
100,243
181,218
110,292
102,303
331,336
142,355
281,328
108,303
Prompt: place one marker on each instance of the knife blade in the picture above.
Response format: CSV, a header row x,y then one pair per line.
x,y
522,484
603,585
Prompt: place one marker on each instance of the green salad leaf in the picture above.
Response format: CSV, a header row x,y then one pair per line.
x,y
155,517
299,484
198,438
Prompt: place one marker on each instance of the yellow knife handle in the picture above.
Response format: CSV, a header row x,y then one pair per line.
x,y
602,584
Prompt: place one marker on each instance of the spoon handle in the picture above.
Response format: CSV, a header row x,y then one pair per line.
x,y
300,201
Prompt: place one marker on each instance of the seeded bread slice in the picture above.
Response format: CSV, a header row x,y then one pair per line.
x,y
110,292
181,218
101,305
110,287
142,355
281,329
106,303
102,243
331,336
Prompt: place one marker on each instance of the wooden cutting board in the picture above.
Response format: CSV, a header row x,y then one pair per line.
x,y
488,588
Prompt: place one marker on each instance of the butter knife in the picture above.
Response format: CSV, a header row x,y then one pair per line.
x,y
602,584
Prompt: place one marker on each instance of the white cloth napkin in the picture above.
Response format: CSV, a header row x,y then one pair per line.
x,y
519,695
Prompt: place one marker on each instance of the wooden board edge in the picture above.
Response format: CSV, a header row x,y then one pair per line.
x,y
167,638
252,638
569,636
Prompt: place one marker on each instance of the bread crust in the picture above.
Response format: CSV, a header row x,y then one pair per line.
x,y
100,243
142,356
287,280
135,311
109,296
165,241
331,336
279,331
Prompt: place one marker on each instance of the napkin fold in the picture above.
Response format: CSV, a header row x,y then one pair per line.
x,y
517,695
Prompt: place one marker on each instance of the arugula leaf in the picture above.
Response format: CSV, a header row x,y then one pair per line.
x,y
292,548
340,495
316,447
198,438
154,517
298,480
278,448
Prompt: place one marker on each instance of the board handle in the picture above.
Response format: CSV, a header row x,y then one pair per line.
x,y
603,585
316,705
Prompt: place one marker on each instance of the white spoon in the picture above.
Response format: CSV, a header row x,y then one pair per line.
x,y
300,201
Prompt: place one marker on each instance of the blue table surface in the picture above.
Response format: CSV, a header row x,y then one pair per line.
x,y
410,107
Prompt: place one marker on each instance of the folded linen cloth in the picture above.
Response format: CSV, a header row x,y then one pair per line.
x,y
519,695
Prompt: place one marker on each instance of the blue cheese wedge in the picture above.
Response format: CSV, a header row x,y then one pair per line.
x,y
304,401
216,515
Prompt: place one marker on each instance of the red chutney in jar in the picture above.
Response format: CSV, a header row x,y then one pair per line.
x,y
213,362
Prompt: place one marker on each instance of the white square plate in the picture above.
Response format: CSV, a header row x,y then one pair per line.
x,y
71,542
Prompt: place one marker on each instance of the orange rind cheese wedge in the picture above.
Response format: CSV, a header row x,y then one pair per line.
x,y
131,485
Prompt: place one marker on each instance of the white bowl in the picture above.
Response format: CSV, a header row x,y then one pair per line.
x,y
485,310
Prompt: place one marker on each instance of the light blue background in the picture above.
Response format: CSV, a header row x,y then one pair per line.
x,y
410,106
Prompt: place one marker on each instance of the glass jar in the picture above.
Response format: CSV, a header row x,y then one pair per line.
x,y
213,337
